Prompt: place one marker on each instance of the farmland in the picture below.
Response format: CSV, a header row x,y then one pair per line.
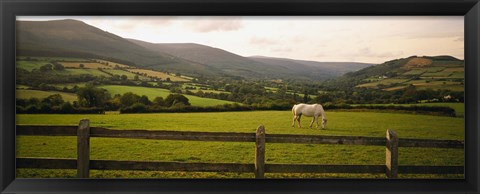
x,y
26,94
152,93
276,122
158,74
89,65
421,73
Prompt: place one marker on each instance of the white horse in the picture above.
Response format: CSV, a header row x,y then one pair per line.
x,y
309,110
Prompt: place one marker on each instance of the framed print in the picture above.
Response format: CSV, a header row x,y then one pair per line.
x,y
239,96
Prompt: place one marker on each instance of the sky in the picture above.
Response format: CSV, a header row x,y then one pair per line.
x,y
370,39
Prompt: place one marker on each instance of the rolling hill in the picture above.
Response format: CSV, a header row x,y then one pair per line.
x,y
426,72
72,38
313,69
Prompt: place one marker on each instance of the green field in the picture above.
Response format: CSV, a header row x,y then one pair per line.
x,y
30,65
26,94
53,58
152,93
122,72
70,85
339,123
94,72
458,107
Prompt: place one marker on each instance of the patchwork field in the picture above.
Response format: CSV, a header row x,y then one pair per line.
x,y
152,93
91,65
30,65
158,74
94,72
458,107
276,122
423,74
123,72
26,94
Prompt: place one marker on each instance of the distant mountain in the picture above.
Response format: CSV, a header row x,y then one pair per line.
x,y
425,72
74,38
313,69
229,63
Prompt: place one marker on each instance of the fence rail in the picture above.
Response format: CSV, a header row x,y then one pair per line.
x,y
234,137
83,163
59,163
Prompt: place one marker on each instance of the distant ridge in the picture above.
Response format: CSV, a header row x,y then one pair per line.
x,y
74,38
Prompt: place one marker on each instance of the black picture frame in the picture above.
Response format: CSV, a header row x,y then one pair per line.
x,y
470,9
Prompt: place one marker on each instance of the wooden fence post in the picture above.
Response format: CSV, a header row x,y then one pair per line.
x,y
83,149
391,154
260,153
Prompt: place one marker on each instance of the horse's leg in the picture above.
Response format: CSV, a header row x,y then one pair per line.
x,y
294,118
317,121
311,123
298,119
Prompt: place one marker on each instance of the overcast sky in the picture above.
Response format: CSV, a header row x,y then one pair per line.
x,y
372,39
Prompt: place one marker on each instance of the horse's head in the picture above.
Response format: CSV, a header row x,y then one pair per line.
x,y
324,123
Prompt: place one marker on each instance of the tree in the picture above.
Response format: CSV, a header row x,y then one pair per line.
x,y
53,100
136,78
46,67
81,65
123,78
144,100
173,99
158,101
58,66
305,97
129,99
92,97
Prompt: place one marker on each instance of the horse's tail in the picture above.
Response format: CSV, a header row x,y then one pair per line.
x,y
293,109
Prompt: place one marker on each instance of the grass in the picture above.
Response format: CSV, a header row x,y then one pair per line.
x,y
26,94
278,122
94,72
70,85
434,69
90,65
30,65
113,64
53,58
152,93
158,74
458,107
122,72
414,72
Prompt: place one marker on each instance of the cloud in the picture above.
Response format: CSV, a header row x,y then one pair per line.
x,y
367,52
282,49
459,39
205,25
262,41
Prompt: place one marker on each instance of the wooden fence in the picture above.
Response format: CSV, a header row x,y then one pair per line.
x,y
83,163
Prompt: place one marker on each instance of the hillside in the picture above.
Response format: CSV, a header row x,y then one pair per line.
x,y
437,72
313,69
74,38
226,62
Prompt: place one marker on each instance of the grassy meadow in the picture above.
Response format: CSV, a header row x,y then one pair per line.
x,y
26,94
276,122
152,93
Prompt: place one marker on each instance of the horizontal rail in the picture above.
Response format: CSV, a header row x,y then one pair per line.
x,y
47,130
55,163
315,168
235,137
173,135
